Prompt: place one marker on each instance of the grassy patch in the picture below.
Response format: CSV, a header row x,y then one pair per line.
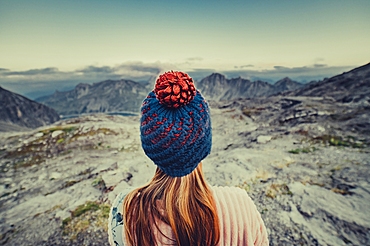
x,y
99,183
294,151
303,150
348,141
105,210
66,222
64,129
60,140
92,132
276,189
84,208
84,216
245,186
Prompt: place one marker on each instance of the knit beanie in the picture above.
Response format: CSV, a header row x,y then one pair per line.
x,y
175,125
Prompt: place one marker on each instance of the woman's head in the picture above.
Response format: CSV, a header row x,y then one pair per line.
x,y
175,125
176,135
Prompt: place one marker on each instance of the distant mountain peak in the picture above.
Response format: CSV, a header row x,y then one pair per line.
x,y
83,85
213,75
286,84
284,80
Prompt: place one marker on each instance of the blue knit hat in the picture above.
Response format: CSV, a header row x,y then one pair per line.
x,y
175,125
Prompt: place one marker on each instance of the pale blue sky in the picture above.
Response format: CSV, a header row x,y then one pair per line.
x,y
183,35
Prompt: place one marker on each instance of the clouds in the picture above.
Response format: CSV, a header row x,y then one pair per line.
x,y
300,74
244,66
94,69
36,82
194,59
296,70
48,70
129,70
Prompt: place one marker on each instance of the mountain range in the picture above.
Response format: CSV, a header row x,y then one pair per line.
x,y
216,87
126,96
123,96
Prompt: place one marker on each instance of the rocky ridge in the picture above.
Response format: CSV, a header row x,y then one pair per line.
x,y
217,87
18,112
352,86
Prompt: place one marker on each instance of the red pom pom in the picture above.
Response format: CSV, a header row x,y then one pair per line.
x,y
174,89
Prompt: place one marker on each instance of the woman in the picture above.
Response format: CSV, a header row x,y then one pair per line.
x,y
177,207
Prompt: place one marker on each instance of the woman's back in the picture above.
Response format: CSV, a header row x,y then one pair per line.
x,y
240,222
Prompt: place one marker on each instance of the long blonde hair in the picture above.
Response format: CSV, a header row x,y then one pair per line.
x,y
189,206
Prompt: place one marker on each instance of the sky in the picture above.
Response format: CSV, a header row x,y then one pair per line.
x,y
54,45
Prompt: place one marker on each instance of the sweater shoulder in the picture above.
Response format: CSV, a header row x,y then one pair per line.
x,y
230,192
240,221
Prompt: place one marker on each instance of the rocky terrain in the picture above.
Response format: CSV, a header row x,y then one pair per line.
x,y
217,87
304,161
19,113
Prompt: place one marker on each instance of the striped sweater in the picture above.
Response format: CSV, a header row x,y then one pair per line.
x,y
240,222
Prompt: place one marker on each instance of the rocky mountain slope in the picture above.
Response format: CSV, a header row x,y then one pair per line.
x,y
217,87
106,96
18,112
352,86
